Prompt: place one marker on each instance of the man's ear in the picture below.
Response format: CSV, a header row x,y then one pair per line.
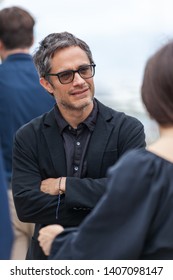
x,y
32,42
46,85
2,51
1,44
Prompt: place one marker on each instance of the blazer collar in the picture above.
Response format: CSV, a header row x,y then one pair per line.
x,y
104,111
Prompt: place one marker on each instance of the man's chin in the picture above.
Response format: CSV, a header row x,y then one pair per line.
x,y
81,103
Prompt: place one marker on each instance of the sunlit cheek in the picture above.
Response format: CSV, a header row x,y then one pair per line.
x,y
61,94
92,87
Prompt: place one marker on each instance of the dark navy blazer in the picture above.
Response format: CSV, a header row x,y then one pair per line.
x,y
22,98
6,235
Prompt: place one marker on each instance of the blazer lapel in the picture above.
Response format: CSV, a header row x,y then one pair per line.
x,y
55,144
98,141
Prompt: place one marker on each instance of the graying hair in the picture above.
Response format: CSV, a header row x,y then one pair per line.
x,y
51,44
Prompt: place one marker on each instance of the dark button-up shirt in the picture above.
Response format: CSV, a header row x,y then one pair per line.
x,y
76,141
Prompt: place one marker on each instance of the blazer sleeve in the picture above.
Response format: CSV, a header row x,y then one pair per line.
x,y
31,204
119,225
127,134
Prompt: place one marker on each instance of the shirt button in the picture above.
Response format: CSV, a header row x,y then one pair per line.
x,y
76,168
78,143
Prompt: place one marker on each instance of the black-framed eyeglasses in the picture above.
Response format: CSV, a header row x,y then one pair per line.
x,y
66,77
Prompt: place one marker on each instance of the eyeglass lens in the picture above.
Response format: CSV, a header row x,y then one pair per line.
x,y
85,72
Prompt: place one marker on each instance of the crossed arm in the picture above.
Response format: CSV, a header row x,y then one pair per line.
x,y
53,186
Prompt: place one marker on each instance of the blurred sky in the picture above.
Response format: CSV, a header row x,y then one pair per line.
x,y
122,34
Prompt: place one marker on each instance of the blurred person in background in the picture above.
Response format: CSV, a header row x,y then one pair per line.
x,y
60,160
134,219
6,234
21,99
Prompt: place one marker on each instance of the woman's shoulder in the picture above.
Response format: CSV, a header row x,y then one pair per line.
x,y
137,156
141,169
139,161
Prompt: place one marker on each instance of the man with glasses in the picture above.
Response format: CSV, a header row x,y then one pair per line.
x,y
60,160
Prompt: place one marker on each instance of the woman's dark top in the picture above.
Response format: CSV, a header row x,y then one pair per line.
x,y
133,220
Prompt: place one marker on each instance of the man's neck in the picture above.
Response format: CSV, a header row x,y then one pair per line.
x,y
6,53
163,145
75,117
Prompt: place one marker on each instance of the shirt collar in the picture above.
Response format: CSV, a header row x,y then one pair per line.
x,y
90,121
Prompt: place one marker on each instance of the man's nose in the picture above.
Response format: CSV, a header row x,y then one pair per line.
x,y
78,79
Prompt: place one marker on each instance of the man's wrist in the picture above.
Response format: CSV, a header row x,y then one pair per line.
x,y
63,182
60,185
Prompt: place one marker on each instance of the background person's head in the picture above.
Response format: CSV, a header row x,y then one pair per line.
x,y
16,28
157,87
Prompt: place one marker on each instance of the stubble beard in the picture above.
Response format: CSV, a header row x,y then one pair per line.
x,y
77,107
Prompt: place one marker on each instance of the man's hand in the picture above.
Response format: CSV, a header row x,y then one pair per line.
x,y
53,186
47,235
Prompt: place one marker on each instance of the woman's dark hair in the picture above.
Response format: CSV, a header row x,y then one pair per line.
x,y
157,86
